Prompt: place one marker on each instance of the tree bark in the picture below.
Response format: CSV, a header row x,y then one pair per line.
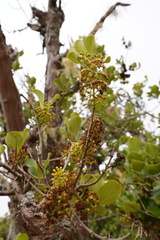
x,y
12,110
9,95
54,20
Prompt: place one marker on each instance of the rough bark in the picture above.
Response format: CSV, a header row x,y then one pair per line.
x,y
9,95
12,110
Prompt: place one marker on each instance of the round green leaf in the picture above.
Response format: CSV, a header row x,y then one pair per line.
x,y
137,165
21,236
131,207
14,140
134,144
74,123
152,150
100,210
109,192
73,57
90,44
153,168
79,46
155,210
135,156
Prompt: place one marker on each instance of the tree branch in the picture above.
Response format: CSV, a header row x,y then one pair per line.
x,y
99,178
109,12
7,193
85,149
98,236
9,169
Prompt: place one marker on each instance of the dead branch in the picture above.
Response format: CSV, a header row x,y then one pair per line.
x,y
108,13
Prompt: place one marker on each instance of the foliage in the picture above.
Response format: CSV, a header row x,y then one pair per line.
x,y
4,227
110,163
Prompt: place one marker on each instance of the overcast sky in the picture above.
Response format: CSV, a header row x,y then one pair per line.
x,y
139,23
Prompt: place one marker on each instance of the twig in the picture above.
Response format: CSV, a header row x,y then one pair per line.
x,y
140,210
22,9
85,149
30,182
109,12
9,169
98,236
97,219
98,179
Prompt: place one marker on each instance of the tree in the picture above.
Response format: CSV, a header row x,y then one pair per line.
x,y
51,169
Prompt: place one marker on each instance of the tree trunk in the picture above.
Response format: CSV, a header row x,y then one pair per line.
x,y
54,20
9,95
26,212
12,110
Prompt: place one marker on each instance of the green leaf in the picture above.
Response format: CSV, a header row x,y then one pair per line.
x,y
134,144
154,93
153,168
155,210
47,161
100,210
73,57
79,46
109,192
133,65
33,167
14,140
16,65
25,135
1,238
90,44
135,156
62,82
156,190
21,53
2,148
74,123
137,165
131,207
90,178
152,150
40,95
30,163
108,59
21,236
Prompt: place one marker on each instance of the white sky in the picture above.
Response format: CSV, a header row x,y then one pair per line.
x,y
139,23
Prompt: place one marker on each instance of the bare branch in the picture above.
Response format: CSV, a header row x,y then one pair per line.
x,y
108,13
7,193
85,149
98,236
9,169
